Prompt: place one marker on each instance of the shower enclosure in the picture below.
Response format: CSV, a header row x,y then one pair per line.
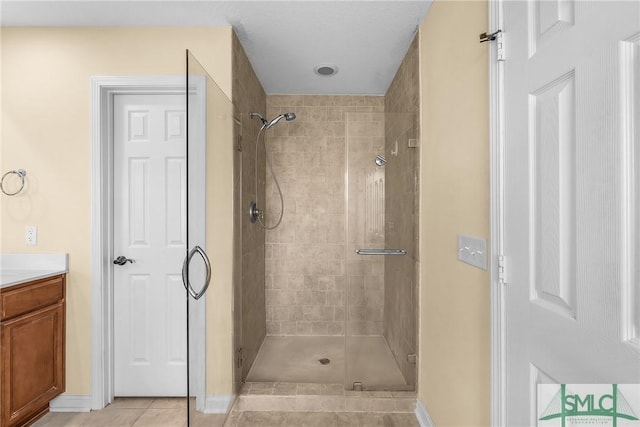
x,y
340,270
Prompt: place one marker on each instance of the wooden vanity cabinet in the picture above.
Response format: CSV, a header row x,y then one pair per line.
x,y
32,335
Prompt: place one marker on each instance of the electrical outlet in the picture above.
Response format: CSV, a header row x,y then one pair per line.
x,y
31,235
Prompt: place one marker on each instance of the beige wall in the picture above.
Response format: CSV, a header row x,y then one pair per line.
x,y
46,130
454,356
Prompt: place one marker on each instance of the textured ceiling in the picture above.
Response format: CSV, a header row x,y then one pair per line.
x,y
284,40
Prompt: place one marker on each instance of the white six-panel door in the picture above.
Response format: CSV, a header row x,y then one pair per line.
x,y
572,85
149,228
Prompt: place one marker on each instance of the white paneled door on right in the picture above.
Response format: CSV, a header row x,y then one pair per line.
x,y
572,183
150,341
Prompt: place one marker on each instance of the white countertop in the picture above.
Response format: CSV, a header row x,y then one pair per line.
x,y
20,268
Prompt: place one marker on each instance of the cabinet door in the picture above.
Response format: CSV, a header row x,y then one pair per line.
x,y
32,363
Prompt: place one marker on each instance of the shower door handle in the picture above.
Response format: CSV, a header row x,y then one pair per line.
x,y
381,252
185,272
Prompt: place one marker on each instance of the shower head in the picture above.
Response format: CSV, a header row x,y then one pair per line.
x,y
287,116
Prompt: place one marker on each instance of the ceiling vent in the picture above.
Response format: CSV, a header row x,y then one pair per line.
x,y
325,70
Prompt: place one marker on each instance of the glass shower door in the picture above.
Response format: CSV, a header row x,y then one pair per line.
x,y
209,121
381,315
196,270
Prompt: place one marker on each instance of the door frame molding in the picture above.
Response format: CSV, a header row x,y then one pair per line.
x,y
496,207
103,90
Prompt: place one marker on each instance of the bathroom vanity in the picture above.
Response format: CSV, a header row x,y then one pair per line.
x,y
32,340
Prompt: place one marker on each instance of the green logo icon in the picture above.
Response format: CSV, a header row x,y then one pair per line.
x,y
567,404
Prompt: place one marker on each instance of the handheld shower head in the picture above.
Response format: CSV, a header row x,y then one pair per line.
x,y
287,116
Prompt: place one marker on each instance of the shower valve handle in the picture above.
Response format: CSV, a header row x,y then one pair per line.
x,y
255,213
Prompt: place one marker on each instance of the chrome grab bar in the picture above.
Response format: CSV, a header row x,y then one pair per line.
x,y
381,252
185,272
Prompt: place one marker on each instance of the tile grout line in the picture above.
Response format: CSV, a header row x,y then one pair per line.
x,y
143,412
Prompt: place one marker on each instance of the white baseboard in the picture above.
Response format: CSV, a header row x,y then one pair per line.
x,y
424,419
71,403
217,403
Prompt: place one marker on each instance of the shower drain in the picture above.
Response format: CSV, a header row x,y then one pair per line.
x,y
324,361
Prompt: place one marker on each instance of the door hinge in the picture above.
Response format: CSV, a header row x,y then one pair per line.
x,y
502,269
498,37
500,51
239,357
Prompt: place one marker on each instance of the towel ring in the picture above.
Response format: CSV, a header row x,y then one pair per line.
x,y
21,173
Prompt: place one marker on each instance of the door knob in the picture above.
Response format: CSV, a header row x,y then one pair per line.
x,y
122,260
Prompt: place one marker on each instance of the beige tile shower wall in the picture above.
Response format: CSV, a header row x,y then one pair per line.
x,y
305,255
400,272
248,96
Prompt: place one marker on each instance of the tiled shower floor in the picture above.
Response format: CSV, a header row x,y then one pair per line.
x,y
297,360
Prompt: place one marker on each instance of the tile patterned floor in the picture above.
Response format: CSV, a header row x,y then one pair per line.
x,y
287,401
140,412
132,412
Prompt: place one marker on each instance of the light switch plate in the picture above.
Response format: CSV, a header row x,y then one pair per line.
x,y
472,250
